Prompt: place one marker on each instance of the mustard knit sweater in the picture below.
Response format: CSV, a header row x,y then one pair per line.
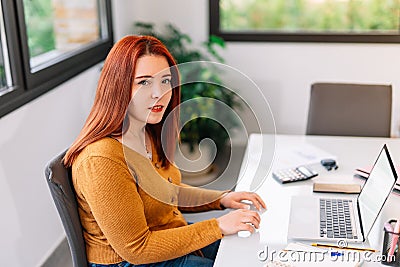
x,y
130,207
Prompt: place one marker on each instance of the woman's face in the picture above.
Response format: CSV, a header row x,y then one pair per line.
x,y
151,90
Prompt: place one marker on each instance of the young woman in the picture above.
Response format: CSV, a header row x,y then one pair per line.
x,y
120,148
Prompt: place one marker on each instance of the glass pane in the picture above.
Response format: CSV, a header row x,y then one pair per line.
x,y
58,27
318,16
5,74
3,80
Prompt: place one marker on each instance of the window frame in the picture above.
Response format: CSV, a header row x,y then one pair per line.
x,y
9,100
30,85
253,36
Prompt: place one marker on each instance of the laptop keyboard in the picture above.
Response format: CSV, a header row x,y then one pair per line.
x,y
336,219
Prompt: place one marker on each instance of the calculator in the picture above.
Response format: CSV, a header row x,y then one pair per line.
x,y
294,174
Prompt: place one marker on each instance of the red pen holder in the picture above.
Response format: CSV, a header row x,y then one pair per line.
x,y
392,260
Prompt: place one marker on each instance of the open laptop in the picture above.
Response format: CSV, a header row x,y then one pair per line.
x,y
313,218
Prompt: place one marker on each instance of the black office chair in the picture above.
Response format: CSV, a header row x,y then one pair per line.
x,y
59,180
350,109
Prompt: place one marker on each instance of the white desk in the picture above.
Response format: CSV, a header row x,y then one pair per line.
x,y
350,152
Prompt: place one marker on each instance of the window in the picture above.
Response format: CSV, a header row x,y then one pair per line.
x,y
4,65
46,42
371,21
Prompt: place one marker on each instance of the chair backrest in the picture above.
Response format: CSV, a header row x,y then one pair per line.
x,y
59,180
350,109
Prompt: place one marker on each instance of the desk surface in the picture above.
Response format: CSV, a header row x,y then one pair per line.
x,y
255,175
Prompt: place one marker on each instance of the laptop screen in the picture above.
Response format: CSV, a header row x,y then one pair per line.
x,y
376,190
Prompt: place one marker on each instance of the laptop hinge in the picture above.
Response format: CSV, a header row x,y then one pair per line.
x,y
360,221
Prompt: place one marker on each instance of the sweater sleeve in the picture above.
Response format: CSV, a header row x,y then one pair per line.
x,y
194,199
117,207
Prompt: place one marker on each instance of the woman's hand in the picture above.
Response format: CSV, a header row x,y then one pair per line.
x,y
239,220
234,200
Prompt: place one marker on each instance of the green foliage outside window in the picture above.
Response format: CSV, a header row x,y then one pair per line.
x,y
310,15
3,80
39,20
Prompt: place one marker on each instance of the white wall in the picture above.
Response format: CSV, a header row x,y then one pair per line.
x,y
283,71
30,136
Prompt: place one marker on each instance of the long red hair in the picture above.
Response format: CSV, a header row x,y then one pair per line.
x,y
114,93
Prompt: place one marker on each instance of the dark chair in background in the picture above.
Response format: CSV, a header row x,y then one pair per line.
x,y
350,110
59,180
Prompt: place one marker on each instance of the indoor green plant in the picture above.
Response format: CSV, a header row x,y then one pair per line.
x,y
181,47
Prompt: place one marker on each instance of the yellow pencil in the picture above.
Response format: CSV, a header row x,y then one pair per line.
x,y
349,248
